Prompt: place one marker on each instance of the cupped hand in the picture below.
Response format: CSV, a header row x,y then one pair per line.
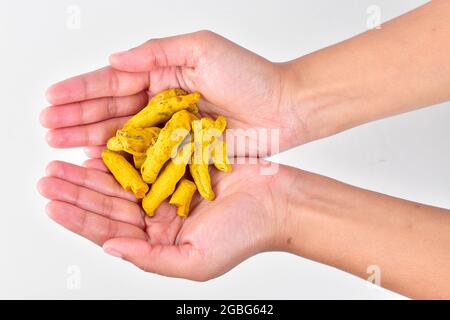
x,y
246,218
244,87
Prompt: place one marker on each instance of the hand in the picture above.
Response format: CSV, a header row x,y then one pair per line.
x,y
246,218
244,87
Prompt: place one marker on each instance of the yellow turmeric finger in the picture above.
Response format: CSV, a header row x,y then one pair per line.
x,y
166,94
207,123
173,133
160,111
125,173
206,132
182,196
137,140
133,140
200,174
220,158
211,130
220,123
114,144
199,165
139,161
164,186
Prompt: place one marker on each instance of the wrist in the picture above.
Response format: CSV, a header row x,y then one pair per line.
x,y
292,214
308,213
284,223
318,98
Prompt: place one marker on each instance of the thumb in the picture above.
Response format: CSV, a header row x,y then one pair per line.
x,y
179,261
181,50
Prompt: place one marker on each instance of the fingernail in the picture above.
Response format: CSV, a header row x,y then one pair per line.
x,y
51,96
53,139
117,55
112,252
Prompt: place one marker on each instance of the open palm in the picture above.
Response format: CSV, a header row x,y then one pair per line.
x,y
234,82
215,237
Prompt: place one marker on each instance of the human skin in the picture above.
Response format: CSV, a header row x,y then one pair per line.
x,y
292,211
308,98
233,82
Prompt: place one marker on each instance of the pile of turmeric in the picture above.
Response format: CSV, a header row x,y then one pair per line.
x,y
162,140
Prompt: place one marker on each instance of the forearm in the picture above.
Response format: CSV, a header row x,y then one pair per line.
x,y
352,229
402,66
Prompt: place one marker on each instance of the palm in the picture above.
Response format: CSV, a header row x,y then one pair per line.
x,y
220,229
233,81
216,236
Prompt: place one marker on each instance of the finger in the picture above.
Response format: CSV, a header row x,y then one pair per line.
x,y
117,209
88,178
105,82
164,213
164,226
181,50
89,225
90,111
96,164
94,151
88,135
180,261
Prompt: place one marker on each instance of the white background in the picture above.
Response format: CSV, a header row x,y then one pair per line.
x,y
406,156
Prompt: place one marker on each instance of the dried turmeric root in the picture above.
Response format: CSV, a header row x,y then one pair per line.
x,y
167,180
139,161
182,196
161,108
206,132
134,141
114,144
200,174
158,158
128,177
166,94
220,158
173,133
